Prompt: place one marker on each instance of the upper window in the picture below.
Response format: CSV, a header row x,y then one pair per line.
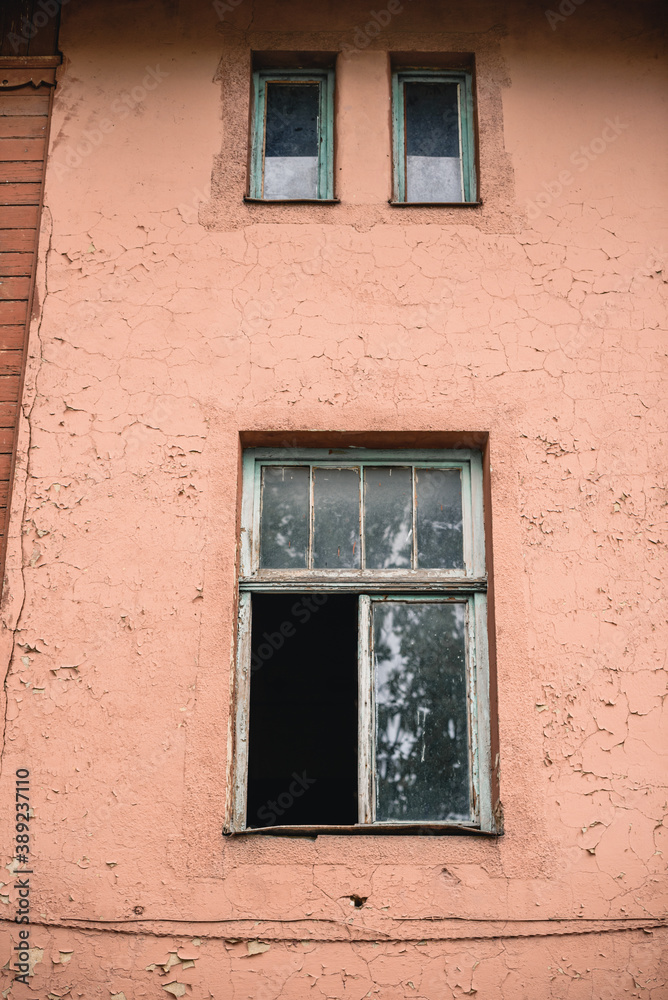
x,y
362,687
292,147
434,149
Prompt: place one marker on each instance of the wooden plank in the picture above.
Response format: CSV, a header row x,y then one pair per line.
x,y
21,170
22,149
25,90
36,103
6,440
14,288
17,240
11,363
8,413
5,466
13,42
45,41
20,194
16,264
9,389
13,312
26,127
23,77
11,338
19,217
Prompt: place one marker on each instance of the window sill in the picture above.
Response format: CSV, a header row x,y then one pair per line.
x,y
381,829
434,204
291,201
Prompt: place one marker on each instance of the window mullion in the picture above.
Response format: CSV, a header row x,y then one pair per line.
x,y
414,551
362,545
365,758
311,519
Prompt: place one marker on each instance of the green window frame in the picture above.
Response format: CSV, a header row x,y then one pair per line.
x,y
466,118
374,588
325,130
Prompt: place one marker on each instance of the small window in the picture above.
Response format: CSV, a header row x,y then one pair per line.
x,y
292,148
362,685
434,149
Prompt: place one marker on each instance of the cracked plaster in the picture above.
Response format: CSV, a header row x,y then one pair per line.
x,y
165,328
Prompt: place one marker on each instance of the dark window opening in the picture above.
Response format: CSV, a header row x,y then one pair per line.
x,y
302,755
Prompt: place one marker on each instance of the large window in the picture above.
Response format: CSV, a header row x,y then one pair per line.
x,y
362,682
433,135
292,135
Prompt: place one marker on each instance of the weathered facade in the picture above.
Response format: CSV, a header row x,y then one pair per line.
x,y
175,324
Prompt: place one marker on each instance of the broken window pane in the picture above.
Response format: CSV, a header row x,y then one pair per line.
x,y
421,727
336,518
291,140
302,751
284,528
439,519
433,151
388,517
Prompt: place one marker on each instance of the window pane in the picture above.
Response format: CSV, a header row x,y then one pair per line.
x,y
336,518
422,739
439,519
291,140
388,518
284,526
433,156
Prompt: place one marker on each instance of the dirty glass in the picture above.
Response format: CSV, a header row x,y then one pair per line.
x,y
439,519
284,528
388,517
421,724
336,519
291,140
433,155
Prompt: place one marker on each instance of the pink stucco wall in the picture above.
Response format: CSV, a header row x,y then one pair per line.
x,y
172,318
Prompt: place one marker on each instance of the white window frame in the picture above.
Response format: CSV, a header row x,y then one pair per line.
x,y
370,585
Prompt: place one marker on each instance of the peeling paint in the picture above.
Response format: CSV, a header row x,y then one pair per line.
x,y
163,335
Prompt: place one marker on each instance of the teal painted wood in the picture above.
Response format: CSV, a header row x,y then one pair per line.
x,y
325,81
478,567
367,672
398,139
372,586
466,126
468,140
468,461
257,146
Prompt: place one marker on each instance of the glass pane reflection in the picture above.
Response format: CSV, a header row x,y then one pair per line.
x,y
439,519
421,726
284,528
388,518
336,518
